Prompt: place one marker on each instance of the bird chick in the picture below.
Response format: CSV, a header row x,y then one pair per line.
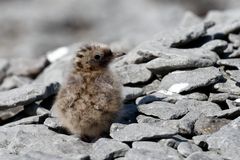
x,y
90,99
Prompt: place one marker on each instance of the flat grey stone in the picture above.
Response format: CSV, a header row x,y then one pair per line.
x,y
204,107
152,87
182,36
234,62
26,94
131,93
132,74
234,74
228,51
157,147
180,81
141,154
10,112
186,148
235,39
217,46
235,53
52,123
105,149
208,125
218,97
41,156
227,140
204,156
26,66
56,72
229,86
227,113
233,104
135,132
146,119
22,139
176,59
163,110
14,82
224,28
167,96
186,123
29,120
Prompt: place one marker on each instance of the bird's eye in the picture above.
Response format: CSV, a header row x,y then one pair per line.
x,y
97,57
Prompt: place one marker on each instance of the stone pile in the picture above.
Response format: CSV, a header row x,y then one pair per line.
x,y
181,94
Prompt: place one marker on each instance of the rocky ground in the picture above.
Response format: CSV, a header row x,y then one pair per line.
x,y
181,94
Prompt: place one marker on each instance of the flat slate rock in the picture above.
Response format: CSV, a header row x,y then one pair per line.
x,y
209,125
176,59
136,132
14,81
132,74
234,62
234,74
26,66
204,156
26,94
10,112
22,139
229,86
157,147
227,140
218,97
106,149
204,107
180,81
227,113
186,148
131,93
217,46
163,110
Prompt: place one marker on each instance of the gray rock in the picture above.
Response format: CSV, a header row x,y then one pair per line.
x,y
26,66
175,59
14,82
227,140
235,53
217,46
204,107
218,97
233,104
52,123
203,156
135,132
148,155
186,123
163,110
105,149
131,93
26,94
56,72
167,96
224,28
11,112
41,156
229,86
234,74
180,81
156,147
186,148
29,120
4,64
227,113
234,62
228,51
182,36
152,87
235,39
146,119
208,125
132,74
22,139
